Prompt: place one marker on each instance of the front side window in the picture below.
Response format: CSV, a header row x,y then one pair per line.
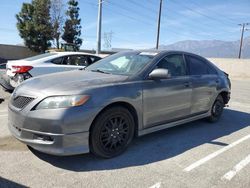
x,y
94,58
175,65
123,63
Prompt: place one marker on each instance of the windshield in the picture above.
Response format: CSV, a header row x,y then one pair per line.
x,y
39,56
123,63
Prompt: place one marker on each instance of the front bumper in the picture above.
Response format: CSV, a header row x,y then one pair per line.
x,y
5,82
55,144
50,133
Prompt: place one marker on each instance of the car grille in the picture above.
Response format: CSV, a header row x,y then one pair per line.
x,y
21,101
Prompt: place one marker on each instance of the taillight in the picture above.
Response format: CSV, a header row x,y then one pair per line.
x,y
21,69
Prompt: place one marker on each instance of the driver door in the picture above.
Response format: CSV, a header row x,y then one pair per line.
x,y
166,100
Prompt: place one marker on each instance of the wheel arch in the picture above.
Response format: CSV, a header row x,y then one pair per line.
x,y
123,104
225,95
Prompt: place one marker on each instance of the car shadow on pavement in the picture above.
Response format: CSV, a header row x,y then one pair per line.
x,y
7,183
157,146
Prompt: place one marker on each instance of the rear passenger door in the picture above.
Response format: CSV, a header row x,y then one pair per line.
x,y
204,81
48,67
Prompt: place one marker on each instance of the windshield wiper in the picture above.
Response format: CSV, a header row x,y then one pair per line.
x,y
100,71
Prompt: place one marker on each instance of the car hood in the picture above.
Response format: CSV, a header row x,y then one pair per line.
x,y
69,82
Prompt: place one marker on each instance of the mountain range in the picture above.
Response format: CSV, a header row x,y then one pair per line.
x,y
212,48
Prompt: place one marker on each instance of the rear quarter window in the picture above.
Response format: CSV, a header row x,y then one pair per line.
x,y
94,58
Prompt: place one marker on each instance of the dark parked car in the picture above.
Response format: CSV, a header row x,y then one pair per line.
x,y
3,63
127,94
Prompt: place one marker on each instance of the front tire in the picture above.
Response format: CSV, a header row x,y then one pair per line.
x,y
112,132
217,109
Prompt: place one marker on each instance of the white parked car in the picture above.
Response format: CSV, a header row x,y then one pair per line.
x,y
19,70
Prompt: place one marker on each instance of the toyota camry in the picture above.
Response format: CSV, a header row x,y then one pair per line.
x,y
103,107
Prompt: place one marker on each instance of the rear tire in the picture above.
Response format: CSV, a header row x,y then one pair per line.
x,y
112,132
216,110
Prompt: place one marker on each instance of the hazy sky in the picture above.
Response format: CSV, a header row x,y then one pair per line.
x,y
133,22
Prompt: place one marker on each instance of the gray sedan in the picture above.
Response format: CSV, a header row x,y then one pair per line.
x,y
102,108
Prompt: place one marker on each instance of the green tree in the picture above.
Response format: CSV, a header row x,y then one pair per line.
x,y
33,23
72,27
25,24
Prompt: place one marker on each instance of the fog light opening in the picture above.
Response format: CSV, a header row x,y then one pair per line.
x,y
43,137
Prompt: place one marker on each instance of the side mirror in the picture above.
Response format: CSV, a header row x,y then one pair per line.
x,y
159,74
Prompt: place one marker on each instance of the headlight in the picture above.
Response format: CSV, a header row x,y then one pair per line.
x,y
62,101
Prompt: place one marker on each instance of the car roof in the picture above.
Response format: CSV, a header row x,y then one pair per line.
x,y
160,51
74,53
163,51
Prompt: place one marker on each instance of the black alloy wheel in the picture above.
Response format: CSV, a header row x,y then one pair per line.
x,y
112,132
217,109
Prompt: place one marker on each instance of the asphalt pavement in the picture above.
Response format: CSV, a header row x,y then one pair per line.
x,y
197,154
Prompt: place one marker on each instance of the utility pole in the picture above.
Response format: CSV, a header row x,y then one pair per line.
x,y
99,27
158,26
242,36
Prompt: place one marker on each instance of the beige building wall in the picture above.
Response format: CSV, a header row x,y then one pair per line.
x,y
15,52
236,68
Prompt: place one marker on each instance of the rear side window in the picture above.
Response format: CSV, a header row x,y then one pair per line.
x,y
57,61
211,70
198,66
77,60
174,63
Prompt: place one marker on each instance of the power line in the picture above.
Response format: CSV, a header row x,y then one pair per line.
x,y
173,32
200,13
135,19
127,9
214,12
195,25
129,16
92,4
202,27
143,6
